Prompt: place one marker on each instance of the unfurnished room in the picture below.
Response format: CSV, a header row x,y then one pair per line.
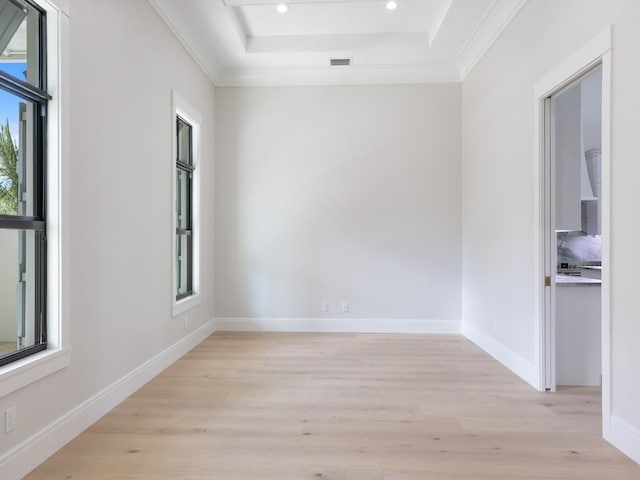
x,y
319,239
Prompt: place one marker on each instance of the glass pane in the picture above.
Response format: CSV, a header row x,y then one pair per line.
x,y
17,292
184,141
183,264
19,41
17,173
183,197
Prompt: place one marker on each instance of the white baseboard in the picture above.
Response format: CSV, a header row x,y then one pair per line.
x,y
24,457
520,366
625,438
337,325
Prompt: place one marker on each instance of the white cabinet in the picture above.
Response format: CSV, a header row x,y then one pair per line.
x,y
578,335
567,144
577,172
591,272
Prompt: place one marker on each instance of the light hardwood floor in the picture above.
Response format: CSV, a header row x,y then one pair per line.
x,y
246,406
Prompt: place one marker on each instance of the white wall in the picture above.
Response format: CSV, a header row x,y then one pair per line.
x,y
338,194
124,64
498,180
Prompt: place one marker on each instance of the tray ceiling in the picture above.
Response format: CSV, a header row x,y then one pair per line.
x,y
248,42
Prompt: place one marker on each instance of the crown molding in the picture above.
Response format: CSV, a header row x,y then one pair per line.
x,y
250,3
439,19
489,29
352,75
205,60
499,15
329,43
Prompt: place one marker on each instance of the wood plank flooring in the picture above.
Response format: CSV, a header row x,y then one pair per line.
x,y
247,406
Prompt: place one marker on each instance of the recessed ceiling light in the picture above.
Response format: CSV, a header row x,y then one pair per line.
x,y
282,8
392,5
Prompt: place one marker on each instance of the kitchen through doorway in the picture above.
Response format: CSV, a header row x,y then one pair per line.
x,y
575,136
572,124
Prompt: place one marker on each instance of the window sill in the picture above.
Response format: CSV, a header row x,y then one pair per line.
x,y
31,369
185,304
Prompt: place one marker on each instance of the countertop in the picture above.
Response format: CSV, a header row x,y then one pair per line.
x,y
572,280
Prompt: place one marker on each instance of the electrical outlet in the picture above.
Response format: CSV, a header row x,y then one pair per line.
x,y
325,306
345,307
9,419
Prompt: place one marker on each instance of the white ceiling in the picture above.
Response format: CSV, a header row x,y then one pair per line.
x,y
16,50
247,42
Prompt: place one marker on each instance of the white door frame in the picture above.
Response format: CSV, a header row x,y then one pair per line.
x,y
597,51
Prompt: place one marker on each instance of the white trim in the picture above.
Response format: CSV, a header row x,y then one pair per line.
x,y
64,6
244,3
538,252
625,438
58,169
19,374
522,367
499,15
353,75
205,60
495,20
539,259
27,455
57,356
337,325
605,222
574,66
545,250
192,116
597,50
185,304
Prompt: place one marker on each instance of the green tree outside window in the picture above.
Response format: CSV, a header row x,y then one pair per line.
x,y
8,172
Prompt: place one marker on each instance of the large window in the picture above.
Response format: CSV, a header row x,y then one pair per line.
x,y
23,121
186,198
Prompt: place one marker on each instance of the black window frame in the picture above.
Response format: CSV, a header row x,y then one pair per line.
x,y
188,169
38,95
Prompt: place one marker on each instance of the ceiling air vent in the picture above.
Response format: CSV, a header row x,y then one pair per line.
x,y
336,62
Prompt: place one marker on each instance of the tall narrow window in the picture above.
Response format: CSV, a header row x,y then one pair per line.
x,y
186,197
184,208
23,123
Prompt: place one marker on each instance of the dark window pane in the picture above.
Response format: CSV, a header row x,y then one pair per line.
x,y
184,141
18,277
183,199
183,264
19,41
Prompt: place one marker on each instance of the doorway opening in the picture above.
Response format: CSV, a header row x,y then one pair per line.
x,y
573,129
573,166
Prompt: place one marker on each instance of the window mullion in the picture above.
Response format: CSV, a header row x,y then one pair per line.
x,y
22,89
21,223
184,166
